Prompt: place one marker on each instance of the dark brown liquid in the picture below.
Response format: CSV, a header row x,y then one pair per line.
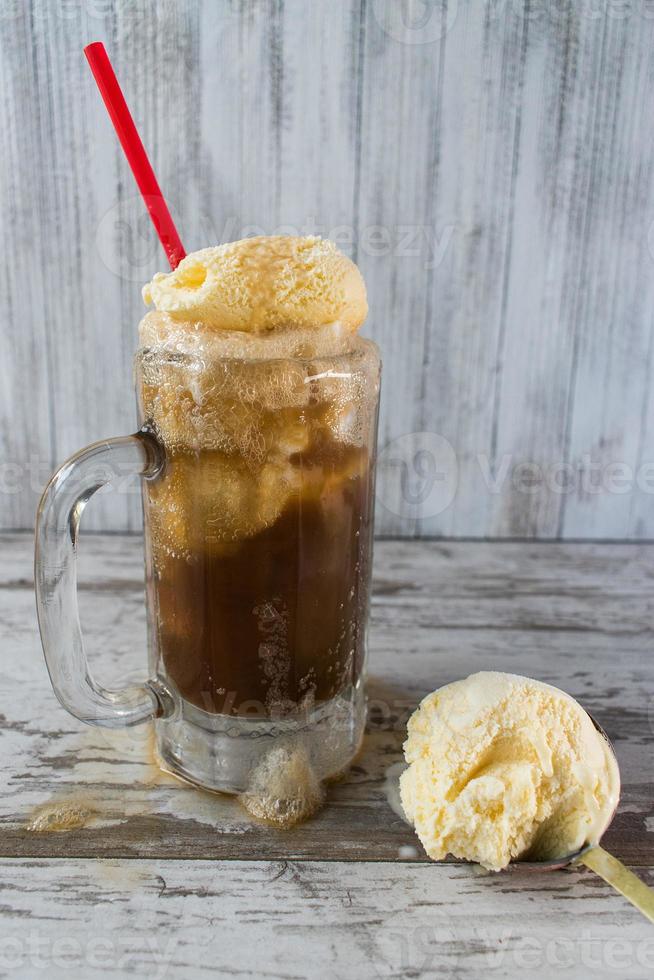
x,y
264,624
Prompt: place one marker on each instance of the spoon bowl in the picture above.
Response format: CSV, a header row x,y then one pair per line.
x,y
557,863
600,861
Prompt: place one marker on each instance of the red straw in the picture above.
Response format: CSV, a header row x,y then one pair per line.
x,y
137,158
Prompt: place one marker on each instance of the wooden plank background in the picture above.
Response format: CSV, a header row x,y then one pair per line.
x,y
296,919
578,616
487,162
158,879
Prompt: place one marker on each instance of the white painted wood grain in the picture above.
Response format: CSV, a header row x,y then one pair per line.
x,y
289,919
576,366
26,429
167,881
578,616
488,163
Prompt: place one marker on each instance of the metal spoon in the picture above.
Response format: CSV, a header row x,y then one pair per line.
x,y
601,862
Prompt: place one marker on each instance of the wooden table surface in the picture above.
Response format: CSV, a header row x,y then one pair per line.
x,y
164,880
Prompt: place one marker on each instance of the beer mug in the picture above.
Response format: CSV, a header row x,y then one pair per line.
x,y
258,490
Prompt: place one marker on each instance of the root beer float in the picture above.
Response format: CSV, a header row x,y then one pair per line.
x,y
252,376
258,410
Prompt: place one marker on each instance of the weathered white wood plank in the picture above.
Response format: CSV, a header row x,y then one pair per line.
x,y
398,170
296,920
470,198
575,369
614,345
579,616
73,182
26,430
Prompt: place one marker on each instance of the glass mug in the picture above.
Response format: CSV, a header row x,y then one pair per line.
x,y
258,493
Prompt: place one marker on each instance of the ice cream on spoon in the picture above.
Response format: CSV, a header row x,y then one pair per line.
x,y
501,766
507,771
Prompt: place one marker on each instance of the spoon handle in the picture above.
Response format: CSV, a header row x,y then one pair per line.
x,y
620,878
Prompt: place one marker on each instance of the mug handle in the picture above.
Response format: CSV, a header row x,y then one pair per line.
x,y
55,578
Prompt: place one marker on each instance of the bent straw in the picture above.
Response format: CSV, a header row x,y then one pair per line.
x,y
137,158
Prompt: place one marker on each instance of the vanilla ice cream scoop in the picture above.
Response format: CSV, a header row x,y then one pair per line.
x,y
262,284
504,767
